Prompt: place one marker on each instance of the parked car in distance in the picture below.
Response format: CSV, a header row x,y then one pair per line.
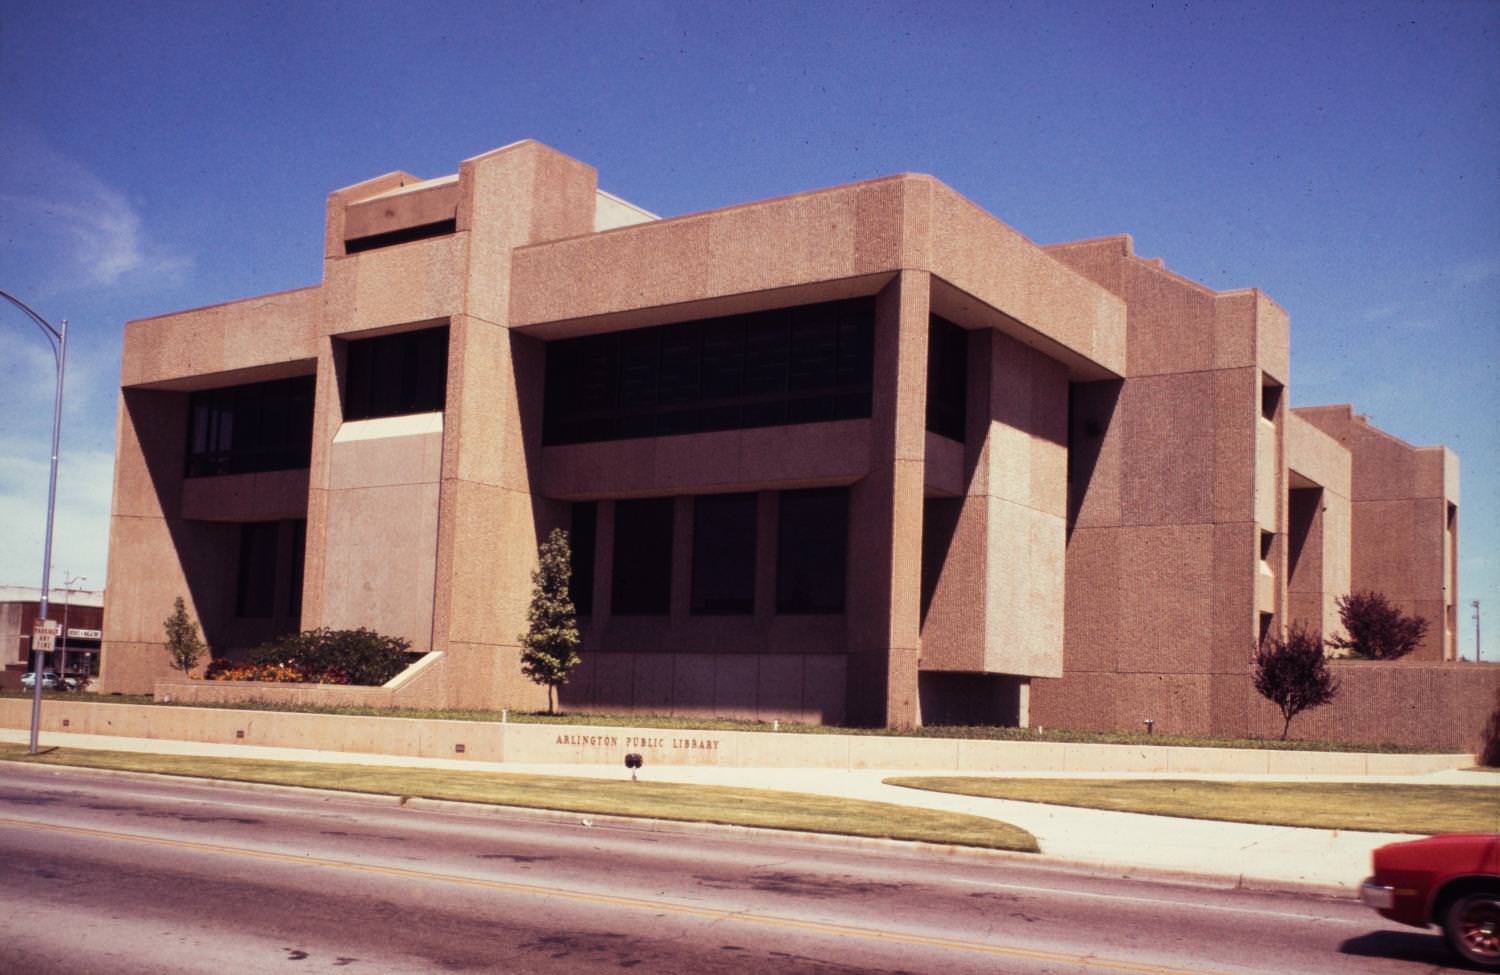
x,y
50,680
1451,881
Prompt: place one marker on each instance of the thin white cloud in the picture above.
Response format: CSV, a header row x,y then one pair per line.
x,y
81,526
60,215
1470,273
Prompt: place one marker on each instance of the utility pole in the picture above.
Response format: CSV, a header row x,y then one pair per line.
x,y
1477,657
69,581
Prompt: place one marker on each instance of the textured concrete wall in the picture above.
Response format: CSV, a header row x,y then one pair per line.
x,y
997,553
1401,497
1318,527
1166,467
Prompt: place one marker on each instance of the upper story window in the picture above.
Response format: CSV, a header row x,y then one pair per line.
x,y
393,375
947,378
792,365
250,428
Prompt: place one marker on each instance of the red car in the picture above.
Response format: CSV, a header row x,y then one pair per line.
x,y
1453,881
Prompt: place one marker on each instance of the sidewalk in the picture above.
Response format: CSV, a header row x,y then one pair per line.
x,y
1274,857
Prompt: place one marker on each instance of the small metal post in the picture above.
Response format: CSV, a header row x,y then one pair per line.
x,y
1149,725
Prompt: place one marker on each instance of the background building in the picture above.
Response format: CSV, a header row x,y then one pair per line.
x,y
81,613
863,454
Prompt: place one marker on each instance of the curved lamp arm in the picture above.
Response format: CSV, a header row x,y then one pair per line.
x,y
53,335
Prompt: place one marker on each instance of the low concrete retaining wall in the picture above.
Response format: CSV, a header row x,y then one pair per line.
x,y
585,744
418,686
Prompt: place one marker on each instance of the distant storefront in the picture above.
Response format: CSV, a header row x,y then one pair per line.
x,y
80,615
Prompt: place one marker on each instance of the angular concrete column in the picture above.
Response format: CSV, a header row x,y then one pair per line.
x,y
884,607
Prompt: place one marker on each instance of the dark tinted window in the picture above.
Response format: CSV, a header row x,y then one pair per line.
x,y
812,539
581,547
642,576
245,429
724,553
299,552
255,592
394,375
792,365
947,377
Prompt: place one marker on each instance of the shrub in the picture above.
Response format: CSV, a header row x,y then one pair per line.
x,y
1489,749
336,656
1377,630
549,645
1293,673
182,643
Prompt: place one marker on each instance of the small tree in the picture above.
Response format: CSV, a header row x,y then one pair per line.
x,y
1293,673
549,645
182,643
1376,629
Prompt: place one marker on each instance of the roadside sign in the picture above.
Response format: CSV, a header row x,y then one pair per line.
x,y
44,636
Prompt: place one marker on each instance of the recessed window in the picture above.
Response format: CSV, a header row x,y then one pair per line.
x,y
812,540
1270,398
642,571
792,365
251,428
395,375
947,378
255,591
724,553
581,549
1266,540
405,235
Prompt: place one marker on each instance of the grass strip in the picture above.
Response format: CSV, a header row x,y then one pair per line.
x,y
672,722
1378,807
605,797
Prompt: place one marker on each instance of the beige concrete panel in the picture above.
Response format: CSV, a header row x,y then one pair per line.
x,y
755,248
735,685
806,454
1272,338
1024,591
614,682
339,201
1010,756
386,461
267,496
916,754
1236,403
1084,757
693,685
150,441
943,466
1267,490
1316,456
1218,761
495,538
610,212
825,688
955,546
1166,623
397,211
1168,450
990,261
419,281
652,677
792,751
495,382
270,330
779,682
387,587
1235,625
1094,595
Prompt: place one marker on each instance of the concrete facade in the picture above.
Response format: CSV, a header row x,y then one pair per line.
x,y
1071,490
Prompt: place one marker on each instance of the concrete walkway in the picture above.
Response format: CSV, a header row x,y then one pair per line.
x,y
1265,857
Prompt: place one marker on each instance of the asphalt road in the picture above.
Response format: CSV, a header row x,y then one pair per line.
x,y
125,874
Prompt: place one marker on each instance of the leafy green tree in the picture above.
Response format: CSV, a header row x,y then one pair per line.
x,y
1377,630
549,647
1293,673
183,645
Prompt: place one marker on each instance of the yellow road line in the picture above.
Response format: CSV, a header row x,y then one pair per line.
x,y
616,900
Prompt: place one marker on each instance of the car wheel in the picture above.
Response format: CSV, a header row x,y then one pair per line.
x,y
1472,924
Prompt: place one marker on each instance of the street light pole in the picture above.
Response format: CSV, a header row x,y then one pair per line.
x,y
69,581
58,339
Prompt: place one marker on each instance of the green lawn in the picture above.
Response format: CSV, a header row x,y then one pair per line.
x,y
974,732
606,797
1366,806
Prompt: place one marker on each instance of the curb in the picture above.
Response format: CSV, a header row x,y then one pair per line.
x,y
907,848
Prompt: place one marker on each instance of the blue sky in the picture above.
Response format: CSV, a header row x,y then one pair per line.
x,y
1344,157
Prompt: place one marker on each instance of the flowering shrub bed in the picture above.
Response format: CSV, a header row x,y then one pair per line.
x,y
324,656
275,673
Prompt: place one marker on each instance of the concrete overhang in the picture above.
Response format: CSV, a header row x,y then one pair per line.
x,y
816,246
267,337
